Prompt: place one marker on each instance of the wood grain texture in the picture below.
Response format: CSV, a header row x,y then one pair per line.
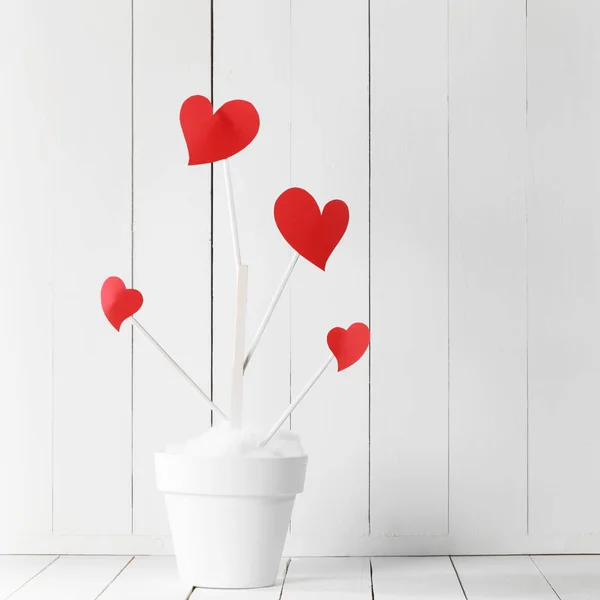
x,y
252,61
415,578
506,577
16,571
564,295
409,267
571,577
488,259
334,578
89,103
150,578
73,578
172,241
330,135
28,190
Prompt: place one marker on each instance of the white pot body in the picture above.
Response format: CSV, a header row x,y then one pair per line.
x,y
229,517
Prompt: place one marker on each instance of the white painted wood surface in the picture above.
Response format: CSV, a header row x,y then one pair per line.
x,y
329,158
26,316
487,267
150,578
271,593
571,577
88,102
415,578
172,241
409,268
410,578
506,577
480,419
335,578
16,571
73,578
564,229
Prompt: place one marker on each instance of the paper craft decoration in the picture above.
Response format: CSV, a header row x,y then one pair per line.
x,y
213,137
119,302
310,232
348,345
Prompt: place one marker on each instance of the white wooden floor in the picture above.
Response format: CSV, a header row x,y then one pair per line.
x,y
422,578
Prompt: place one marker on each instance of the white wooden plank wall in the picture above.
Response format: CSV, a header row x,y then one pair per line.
x,y
88,91
462,135
329,158
487,266
564,234
171,243
409,268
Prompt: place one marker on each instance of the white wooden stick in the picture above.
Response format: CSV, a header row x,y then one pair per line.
x,y
294,404
271,309
232,218
239,341
200,391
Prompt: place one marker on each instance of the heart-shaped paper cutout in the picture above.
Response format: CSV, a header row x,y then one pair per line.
x,y
118,302
212,137
312,234
348,345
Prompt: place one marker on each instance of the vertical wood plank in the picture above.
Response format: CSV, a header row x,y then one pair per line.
x,y
89,102
409,267
506,577
414,578
330,142
172,240
30,152
73,578
488,256
334,578
564,295
252,62
571,577
16,571
150,578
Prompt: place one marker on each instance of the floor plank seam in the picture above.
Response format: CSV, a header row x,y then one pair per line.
x,y
32,578
285,573
544,576
459,579
115,577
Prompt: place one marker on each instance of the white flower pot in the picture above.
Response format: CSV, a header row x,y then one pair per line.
x,y
229,516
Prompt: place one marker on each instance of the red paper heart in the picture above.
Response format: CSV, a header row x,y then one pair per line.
x,y
118,302
348,345
209,137
314,235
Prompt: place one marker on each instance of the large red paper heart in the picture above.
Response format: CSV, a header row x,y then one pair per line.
x,y
118,302
209,137
314,235
348,345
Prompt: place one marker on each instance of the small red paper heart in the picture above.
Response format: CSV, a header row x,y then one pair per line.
x,y
314,235
211,138
348,345
118,302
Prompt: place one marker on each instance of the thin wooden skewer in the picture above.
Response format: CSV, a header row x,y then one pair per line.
x,y
297,401
271,309
232,218
200,391
239,340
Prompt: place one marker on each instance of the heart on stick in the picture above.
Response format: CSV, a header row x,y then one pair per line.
x,y
119,302
311,233
213,137
348,345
